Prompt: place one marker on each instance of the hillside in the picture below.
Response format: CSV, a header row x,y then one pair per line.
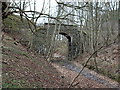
x,y
24,69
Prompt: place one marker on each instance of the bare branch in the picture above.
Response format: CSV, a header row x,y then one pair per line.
x,y
71,6
87,63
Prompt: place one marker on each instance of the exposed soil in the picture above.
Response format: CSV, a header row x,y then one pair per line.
x,y
107,61
83,82
24,69
87,79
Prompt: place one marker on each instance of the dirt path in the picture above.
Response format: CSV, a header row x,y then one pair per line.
x,y
87,79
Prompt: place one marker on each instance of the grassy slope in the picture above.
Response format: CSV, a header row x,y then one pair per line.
x,y
14,25
14,22
23,69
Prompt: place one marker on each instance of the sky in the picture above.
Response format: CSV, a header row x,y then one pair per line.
x,y
53,6
39,5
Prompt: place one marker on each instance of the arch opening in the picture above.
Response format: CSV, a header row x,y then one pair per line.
x,y
62,46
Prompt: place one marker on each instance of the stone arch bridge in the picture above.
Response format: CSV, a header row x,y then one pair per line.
x,y
42,39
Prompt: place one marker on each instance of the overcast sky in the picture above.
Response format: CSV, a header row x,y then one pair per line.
x,y
39,5
53,5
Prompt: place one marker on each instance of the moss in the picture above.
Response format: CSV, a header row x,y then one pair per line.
x,y
14,84
14,22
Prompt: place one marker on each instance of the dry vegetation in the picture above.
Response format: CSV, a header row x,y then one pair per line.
x,y
24,69
97,26
107,62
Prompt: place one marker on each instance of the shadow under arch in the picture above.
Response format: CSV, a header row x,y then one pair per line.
x,y
69,43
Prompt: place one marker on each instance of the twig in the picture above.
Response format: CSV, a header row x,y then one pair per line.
x,y
84,67
86,64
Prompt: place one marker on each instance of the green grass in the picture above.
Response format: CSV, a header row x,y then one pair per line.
x,y
14,84
14,22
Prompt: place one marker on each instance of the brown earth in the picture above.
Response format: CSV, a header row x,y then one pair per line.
x,y
24,69
107,61
82,81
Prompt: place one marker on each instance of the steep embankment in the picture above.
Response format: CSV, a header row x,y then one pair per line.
x,y
24,69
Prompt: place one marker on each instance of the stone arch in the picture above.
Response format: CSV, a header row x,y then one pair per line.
x,y
66,35
69,31
69,43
